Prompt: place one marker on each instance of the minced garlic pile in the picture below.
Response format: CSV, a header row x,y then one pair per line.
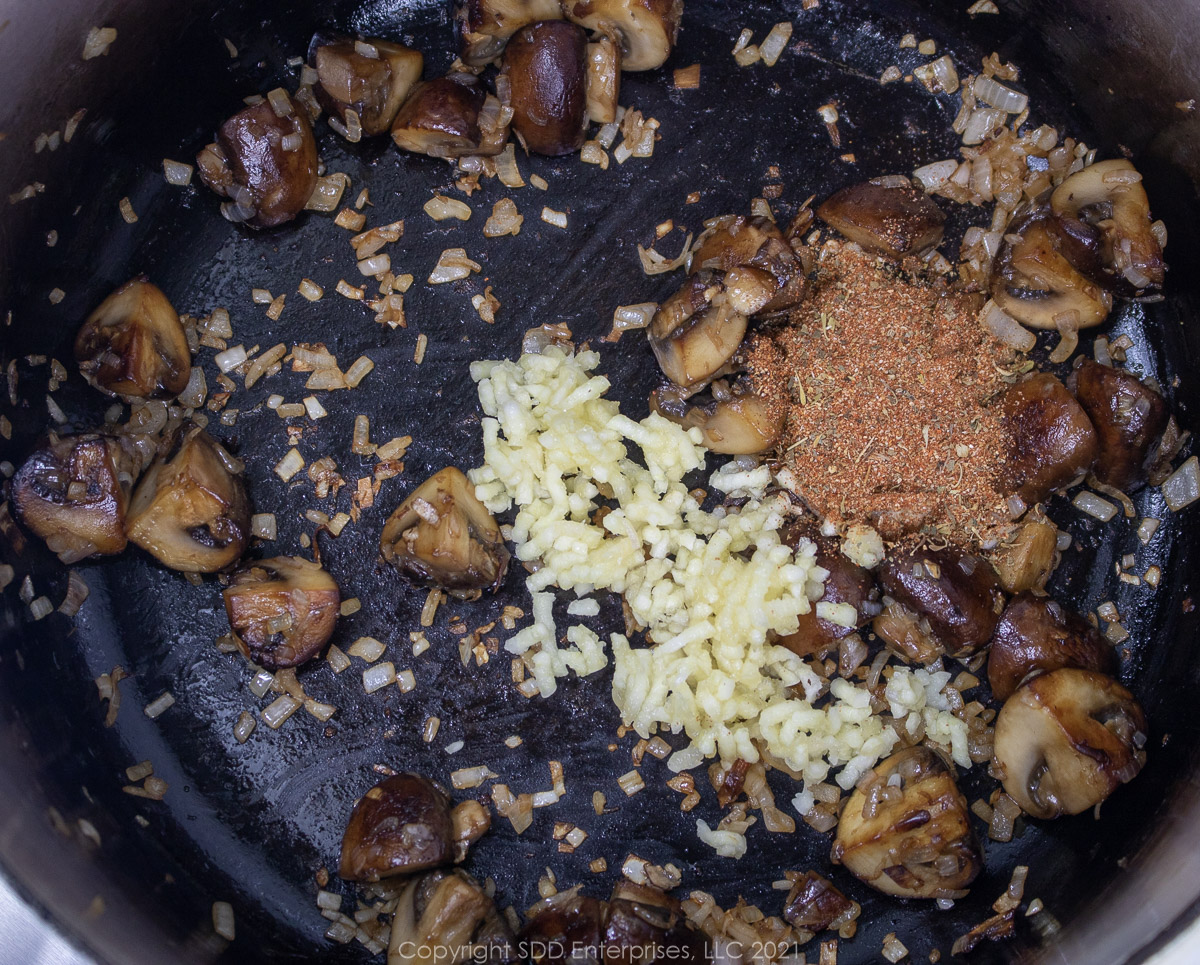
x,y
709,587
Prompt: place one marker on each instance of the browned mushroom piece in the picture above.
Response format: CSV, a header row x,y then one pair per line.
x,y
885,215
1066,740
450,117
733,242
469,822
815,905
1037,279
485,25
1051,440
603,85
73,492
546,67
133,344
1026,559
734,422
446,917
264,161
644,924
1037,635
368,79
282,610
647,28
1129,418
442,535
847,582
696,331
1109,196
565,928
937,602
912,839
190,510
399,826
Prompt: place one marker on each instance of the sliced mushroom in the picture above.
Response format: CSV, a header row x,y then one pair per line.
x,y
486,25
74,493
370,78
442,535
469,821
1026,560
1129,418
737,422
647,28
1036,280
815,905
133,344
1051,440
564,929
603,80
546,67
264,161
1036,635
938,601
1066,740
399,826
1109,195
446,917
897,219
847,582
695,331
191,510
452,116
644,924
282,610
908,832
732,242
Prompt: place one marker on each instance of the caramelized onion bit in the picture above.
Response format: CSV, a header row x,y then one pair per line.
x,y
917,843
74,493
815,905
282,610
190,511
603,80
893,218
1129,418
1052,440
469,822
266,183
1036,635
1026,561
133,344
485,25
546,67
372,87
446,916
734,242
647,28
451,117
442,535
740,424
399,826
1066,740
695,332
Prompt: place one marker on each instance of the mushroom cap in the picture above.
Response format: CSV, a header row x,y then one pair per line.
x,y
399,826
282,610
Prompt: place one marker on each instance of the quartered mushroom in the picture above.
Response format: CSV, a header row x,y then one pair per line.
x,y
264,161
74,493
1129,418
937,602
451,117
190,510
734,421
887,215
815,905
546,67
1052,440
1109,196
603,84
1037,280
485,25
1026,559
1035,635
567,927
368,79
401,825
442,535
1066,740
134,346
696,331
644,924
908,832
282,610
647,29
756,256
444,917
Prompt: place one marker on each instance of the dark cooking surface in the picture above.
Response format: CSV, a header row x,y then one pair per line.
x,y
252,823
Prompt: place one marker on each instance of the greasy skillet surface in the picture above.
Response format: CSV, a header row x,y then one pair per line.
x,y
252,823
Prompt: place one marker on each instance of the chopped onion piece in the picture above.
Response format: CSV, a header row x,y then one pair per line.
x,y
1006,328
506,167
631,782
289,465
379,676
159,706
337,659
453,265
366,648
99,39
263,525
177,173
327,195
1147,528
454,747
1093,505
358,371
556,218
469,777
440,208
654,263
279,710
244,726
1182,487
991,92
772,47
231,358
222,918
504,220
